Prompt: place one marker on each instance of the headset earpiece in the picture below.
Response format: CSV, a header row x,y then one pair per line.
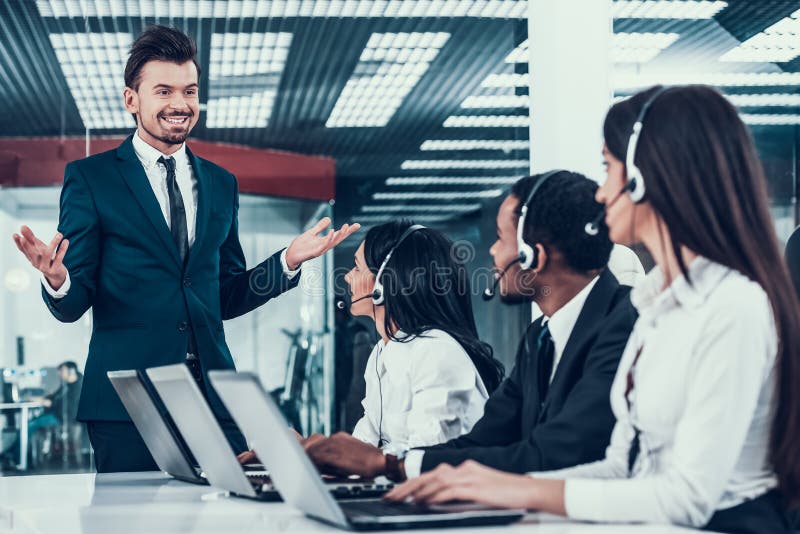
x,y
529,256
635,185
377,289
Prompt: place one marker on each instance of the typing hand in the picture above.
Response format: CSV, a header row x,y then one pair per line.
x,y
310,244
473,482
248,457
48,259
342,454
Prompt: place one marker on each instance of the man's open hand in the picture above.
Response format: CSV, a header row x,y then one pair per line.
x,y
46,258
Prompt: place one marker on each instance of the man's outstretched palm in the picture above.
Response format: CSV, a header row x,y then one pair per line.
x,y
310,244
48,259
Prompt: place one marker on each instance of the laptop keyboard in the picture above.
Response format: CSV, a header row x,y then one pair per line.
x,y
382,508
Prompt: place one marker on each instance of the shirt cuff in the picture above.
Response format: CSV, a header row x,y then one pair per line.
x,y
288,272
56,294
584,499
413,463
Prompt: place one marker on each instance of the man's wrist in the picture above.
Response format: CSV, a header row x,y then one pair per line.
x,y
394,467
56,281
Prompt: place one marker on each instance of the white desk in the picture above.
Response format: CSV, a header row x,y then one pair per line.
x,y
24,416
152,503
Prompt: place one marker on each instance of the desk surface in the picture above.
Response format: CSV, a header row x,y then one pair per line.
x,y
151,502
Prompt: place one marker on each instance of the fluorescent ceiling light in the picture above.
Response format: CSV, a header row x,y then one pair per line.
x,y
487,121
93,65
496,101
506,80
439,195
476,144
375,219
419,207
390,66
640,47
766,100
451,180
244,75
667,9
767,119
636,81
520,54
778,43
466,164
235,9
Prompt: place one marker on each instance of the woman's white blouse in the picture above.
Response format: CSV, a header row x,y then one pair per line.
x,y
702,397
420,392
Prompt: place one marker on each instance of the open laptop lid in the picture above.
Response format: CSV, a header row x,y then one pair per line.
x,y
290,469
158,432
205,438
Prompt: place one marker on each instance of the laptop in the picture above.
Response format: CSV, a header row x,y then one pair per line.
x,y
157,429
295,476
207,442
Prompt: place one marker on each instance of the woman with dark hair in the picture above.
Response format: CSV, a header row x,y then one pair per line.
x,y
429,375
706,396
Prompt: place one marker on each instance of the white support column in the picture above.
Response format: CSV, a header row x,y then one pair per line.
x,y
570,44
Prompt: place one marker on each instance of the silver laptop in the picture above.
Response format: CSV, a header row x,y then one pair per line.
x,y
207,442
157,429
298,481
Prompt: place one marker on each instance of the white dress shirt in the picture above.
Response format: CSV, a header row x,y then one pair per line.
x,y
561,324
421,392
157,176
702,394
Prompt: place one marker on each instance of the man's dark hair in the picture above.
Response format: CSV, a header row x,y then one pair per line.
x,y
159,43
68,365
557,216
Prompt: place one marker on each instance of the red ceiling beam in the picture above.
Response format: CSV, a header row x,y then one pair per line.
x,y
30,162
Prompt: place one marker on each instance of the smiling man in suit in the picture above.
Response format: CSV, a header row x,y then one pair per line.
x,y
148,238
553,410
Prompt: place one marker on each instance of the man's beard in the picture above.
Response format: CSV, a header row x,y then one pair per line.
x,y
170,138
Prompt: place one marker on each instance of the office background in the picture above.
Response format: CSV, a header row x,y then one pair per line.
x,y
422,106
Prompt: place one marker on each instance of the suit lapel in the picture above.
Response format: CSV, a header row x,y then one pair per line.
x,y
592,313
203,203
132,171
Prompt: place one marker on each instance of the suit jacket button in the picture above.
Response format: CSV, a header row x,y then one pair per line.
x,y
187,282
182,326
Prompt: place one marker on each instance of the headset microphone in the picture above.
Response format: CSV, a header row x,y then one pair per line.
x,y
488,293
342,304
593,227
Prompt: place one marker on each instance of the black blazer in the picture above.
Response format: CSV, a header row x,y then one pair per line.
x,y
573,425
124,265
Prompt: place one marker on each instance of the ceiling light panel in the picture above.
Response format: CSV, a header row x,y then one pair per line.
x,y
496,102
778,43
495,9
466,164
506,80
475,144
640,47
520,54
438,195
766,100
767,119
450,180
244,73
636,81
420,208
93,65
487,121
667,9
390,66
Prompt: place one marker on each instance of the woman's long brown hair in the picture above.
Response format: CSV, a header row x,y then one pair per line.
x,y
706,182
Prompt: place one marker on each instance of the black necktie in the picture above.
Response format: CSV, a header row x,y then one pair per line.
x,y
545,354
177,212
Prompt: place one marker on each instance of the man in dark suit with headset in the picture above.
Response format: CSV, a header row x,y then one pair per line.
x,y
148,238
553,409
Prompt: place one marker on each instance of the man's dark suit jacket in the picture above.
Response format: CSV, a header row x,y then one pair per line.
x,y
123,263
573,425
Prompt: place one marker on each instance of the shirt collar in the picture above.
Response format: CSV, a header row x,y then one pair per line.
x,y
563,320
705,275
149,155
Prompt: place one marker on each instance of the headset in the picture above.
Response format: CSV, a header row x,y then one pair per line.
x,y
529,256
635,183
377,290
